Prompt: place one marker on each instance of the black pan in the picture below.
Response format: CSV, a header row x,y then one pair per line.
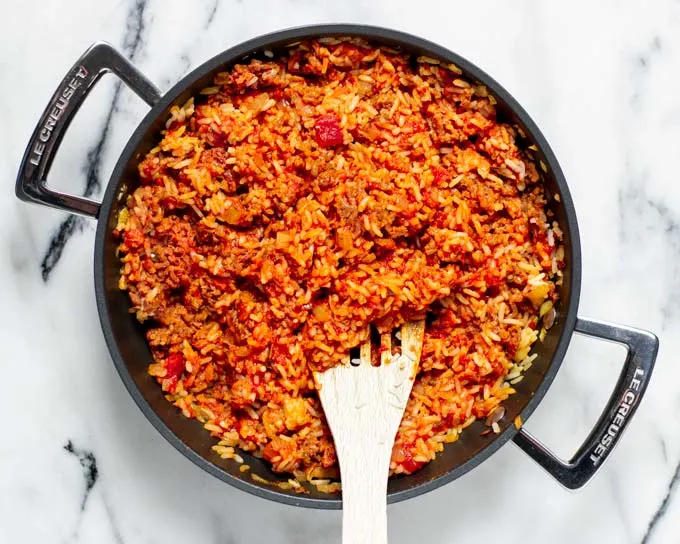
x,y
125,337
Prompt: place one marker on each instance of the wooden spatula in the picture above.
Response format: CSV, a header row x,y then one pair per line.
x,y
364,405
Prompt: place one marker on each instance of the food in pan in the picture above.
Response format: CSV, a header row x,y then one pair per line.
x,y
314,196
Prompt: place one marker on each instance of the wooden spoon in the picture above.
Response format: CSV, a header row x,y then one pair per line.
x,y
364,405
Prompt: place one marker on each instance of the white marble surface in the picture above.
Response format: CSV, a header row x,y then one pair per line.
x,y
602,79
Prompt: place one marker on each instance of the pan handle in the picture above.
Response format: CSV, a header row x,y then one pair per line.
x,y
633,380
31,183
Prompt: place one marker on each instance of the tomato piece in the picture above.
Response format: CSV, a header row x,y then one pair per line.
x,y
174,365
328,131
410,465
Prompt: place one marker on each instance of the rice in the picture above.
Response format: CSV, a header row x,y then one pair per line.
x,y
309,196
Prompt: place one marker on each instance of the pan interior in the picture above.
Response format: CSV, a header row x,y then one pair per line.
x,y
126,337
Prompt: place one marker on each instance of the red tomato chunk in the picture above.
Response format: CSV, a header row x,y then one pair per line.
x,y
174,365
328,131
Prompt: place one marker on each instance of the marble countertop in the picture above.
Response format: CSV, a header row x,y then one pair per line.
x,y
79,463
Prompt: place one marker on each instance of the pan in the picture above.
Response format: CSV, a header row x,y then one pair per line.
x,y
125,337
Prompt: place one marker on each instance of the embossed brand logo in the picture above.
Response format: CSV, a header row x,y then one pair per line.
x,y
54,116
628,400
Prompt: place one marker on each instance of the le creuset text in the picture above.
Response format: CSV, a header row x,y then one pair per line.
x,y
55,114
627,401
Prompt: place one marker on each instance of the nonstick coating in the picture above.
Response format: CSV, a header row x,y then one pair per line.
x,y
125,336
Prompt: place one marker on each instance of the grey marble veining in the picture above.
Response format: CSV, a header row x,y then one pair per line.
x,y
79,462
